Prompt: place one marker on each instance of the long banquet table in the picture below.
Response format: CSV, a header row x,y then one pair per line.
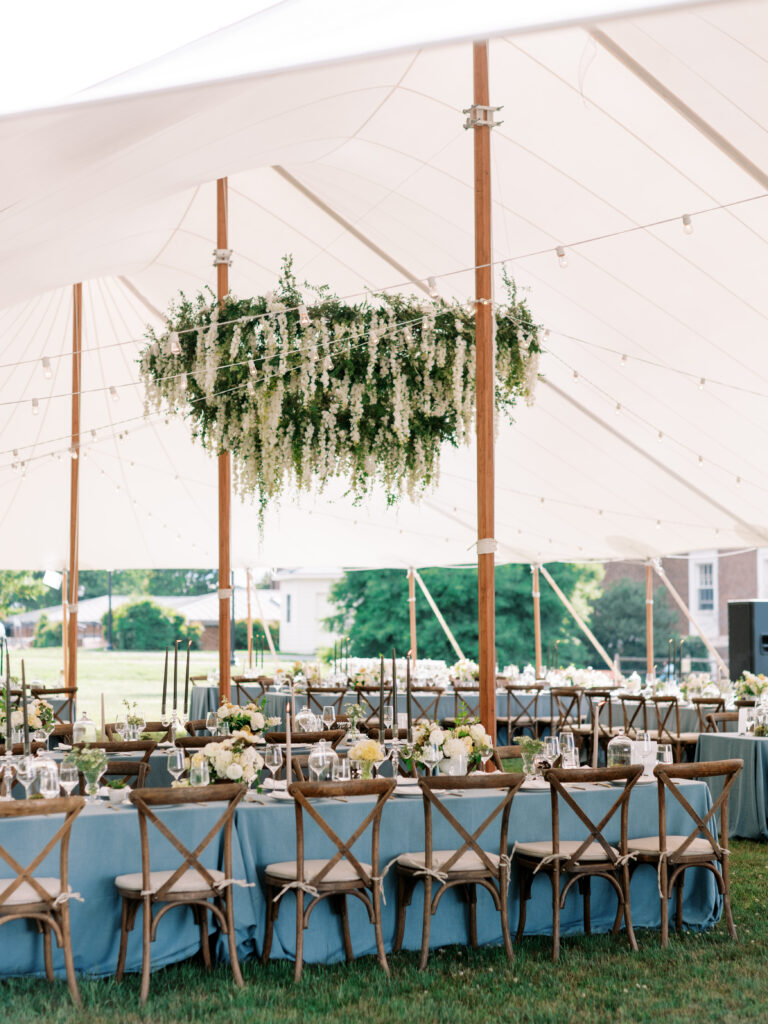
x,y
106,843
747,804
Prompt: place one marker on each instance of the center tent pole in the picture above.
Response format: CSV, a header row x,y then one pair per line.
x,y
222,260
480,120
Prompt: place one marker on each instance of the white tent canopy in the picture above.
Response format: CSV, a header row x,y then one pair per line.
x,y
361,169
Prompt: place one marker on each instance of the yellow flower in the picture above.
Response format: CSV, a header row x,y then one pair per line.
x,y
366,750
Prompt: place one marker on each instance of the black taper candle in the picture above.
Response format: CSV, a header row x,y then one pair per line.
x,y
186,681
8,728
395,733
408,696
165,685
25,710
175,674
381,700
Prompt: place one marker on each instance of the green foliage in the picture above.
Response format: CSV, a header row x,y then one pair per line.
x,y
20,590
618,622
241,636
47,634
368,391
373,611
145,626
182,582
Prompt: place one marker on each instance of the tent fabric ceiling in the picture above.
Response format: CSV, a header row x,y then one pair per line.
x,y
647,432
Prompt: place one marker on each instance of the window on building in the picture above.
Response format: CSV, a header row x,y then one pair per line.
x,y
705,587
287,607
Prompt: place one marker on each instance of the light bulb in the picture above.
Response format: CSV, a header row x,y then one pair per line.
x,y
251,367
575,374
702,382
183,382
658,524
73,453
304,319
687,224
660,436
618,408
432,286
738,480
701,460
174,344
47,371
113,393
35,407
623,360
562,259
546,334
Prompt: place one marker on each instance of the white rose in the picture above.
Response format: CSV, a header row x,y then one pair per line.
x,y
477,732
437,736
257,721
234,772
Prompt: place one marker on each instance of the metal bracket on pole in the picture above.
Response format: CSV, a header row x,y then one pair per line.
x,y
481,117
222,257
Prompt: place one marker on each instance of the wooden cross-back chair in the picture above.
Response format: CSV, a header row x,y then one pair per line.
x,y
338,697
672,855
522,710
144,747
334,877
332,736
425,702
634,711
205,890
195,726
705,706
505,753
721,718
581,860
466,702
196,742
44,900
466,866
368,697
64,715
248,691
668,727
602,728
566,713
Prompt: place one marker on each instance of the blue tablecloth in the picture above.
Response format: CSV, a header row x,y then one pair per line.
x,y
747,807
106,843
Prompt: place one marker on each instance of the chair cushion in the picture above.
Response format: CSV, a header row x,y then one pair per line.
x,y
468,861
543,849
190,881
340,872
27,894
650,844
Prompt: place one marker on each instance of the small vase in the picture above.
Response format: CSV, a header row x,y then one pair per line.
x,y
92,785
366,770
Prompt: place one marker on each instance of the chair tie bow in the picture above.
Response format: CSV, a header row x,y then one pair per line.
x,y
65,897
296,884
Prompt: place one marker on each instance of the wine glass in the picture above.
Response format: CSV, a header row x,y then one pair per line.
x,y
431,757
68,777
388,718
750,717
212,723
175,762
341,770
329,716
486,753
273,759
120,728
6,774
567,746
26,773
379,760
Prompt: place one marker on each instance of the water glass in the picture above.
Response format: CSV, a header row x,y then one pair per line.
x,y
664,753
567,746
342,771
68,777
26,773
388,716
355,768
431,756
273,758
120,728
199,773
212,723
48,774
329,716
175,762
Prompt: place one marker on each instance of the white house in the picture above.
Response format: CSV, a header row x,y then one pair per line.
x,y
305,603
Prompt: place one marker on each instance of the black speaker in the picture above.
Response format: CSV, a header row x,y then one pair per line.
x,y
747,637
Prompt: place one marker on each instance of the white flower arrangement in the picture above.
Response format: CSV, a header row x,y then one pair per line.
x,y
234,759
751,685
301,391
39,715
465,671
250,718
468,737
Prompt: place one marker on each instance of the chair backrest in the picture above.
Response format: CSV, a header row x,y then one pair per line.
x,y
66,695
522,707
146,800
369,697
319,697
305,792
194,726
466,700
600,702
667,715
195,742
433,792
424,703
718,718
158,727
332,736
18,748
70,807
635,712
567,705
144,747
705,706
248,691
502,754
132,773
558,777
666,775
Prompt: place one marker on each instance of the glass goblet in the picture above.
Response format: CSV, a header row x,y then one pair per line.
x,y
212,723
664,753
329,716
48,775
273,759
431,757
175,762
26,773
68,777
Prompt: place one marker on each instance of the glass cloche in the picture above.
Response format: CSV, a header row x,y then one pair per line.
x,y
619,752
84,730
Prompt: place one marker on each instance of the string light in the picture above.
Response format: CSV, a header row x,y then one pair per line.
x,y
183,383
93,435
702,382
73,453
687,224
660,436
658,524
701,460
47,371
304,320
618,408
623,360
562,259
174,344
738,481
432,286
35,407
113,393
251,367
575,374
546,334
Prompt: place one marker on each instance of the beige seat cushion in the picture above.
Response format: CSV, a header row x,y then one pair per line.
x,y
567,846
190,881
340,872
27,893
468,861
650,844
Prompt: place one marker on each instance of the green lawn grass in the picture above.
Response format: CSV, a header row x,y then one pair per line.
x,y
703,978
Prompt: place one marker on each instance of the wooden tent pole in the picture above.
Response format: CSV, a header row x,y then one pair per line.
x,y
74,485
687,612
536,619
64,625
480,120
250,618
412,611
225,473
649,619
580,622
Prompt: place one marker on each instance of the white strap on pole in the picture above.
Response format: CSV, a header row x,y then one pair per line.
x,y
225,593
487,546
438,615
263,621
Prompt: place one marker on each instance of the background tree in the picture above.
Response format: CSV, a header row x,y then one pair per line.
x,y
618,622
373,612
47,634
20,591
145,626
241,636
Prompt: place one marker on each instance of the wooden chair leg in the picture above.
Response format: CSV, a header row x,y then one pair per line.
x,y
504,901
69,963
679,902
272,910
47,950
555,879
524,892
128,913
342,911
426,923
146,954
232,938
663,885
585,884
401,905
202,923
297,968
377,929
625,882
472,901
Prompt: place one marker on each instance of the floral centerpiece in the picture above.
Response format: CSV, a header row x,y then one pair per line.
x,y
751,685
91,761
367,675
39,715
234,759
354,713
250,718
465,671
468,738
306,389
368,752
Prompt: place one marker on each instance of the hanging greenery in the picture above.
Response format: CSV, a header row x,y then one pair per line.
x,y
305,390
